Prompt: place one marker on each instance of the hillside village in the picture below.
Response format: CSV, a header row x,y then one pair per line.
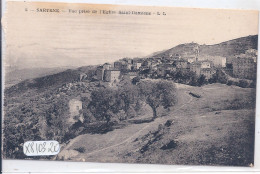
x,y
242,66
237,70
66,105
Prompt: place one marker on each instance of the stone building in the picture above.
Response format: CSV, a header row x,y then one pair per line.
x,y
107,66
137,65
164,69
126,66
107,73
128,60
218,61
112,76
146,63
182,65
132,75
206,64
252,53
118,65
195,67
100,73
203,68
244,67
75,106
207,72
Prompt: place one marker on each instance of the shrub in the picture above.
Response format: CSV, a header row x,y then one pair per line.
x,y
221,77
170,145
88,116
80,149
136,80
243,84
229,82
202,80
252,84
235,83
213,79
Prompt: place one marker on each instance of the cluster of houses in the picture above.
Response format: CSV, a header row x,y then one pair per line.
x,y
114,72
241,66
244,65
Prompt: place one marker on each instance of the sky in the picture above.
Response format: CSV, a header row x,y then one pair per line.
x,y
41,39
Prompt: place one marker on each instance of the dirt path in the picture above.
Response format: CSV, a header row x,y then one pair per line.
x,y
123,142
199,132
137,134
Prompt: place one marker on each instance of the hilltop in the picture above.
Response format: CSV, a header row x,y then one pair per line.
x,y
225,49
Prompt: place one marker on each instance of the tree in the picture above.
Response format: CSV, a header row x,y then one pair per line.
x,y
221,77
104,104
213,79
128,96
136,80
57,119
88,116
202,80
243,83
155,94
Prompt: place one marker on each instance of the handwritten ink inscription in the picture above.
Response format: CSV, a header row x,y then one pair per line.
x,y
41,148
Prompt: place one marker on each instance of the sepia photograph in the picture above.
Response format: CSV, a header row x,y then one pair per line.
x,y
129,84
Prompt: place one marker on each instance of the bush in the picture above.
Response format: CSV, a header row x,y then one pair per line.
x,y
221,77
230,82
213,79
136,80
202,80
80,149
235,83
243,84
252,84
88,116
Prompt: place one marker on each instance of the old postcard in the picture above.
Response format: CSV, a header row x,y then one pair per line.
x,y
129,84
